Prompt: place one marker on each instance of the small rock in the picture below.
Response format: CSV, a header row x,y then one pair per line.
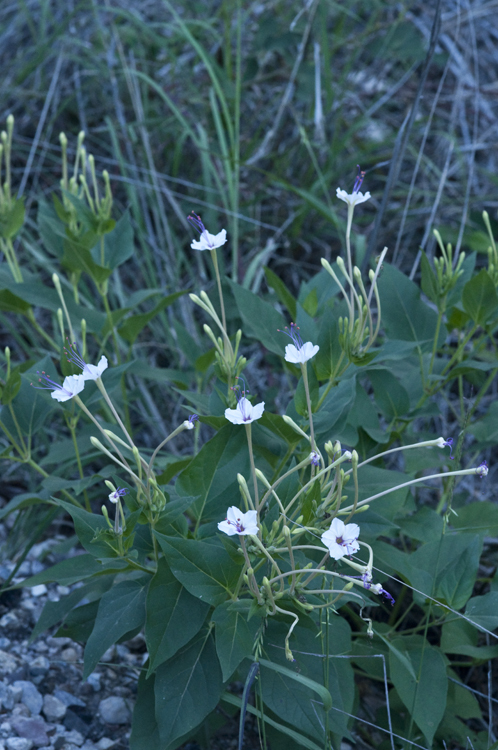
x,y
69,746
38,590
31,697
34,730
5,642
105,743
18,743
8,663
15,693
21,710
70,655
73,737
5,727
63,590
53,708
73,721
110,654
10,620
114,710
68,699
88,746
39,666
57,642
94,680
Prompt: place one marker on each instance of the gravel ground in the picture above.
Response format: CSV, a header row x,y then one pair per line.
x,y
44,702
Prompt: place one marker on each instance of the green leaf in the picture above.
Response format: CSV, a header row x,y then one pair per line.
x,y
76,569
327,359
283,294
486,429
425,695
234,635
278,426
79,623
31,406
205,569
364,414
54,612
479,298
144,729
299,739
404,314
461,637
211,477
87,527
332,414
121,610
483,610
187,688
173,618
481,516
12,221
260,319
12,386
136,323
391,397
118,243
294,697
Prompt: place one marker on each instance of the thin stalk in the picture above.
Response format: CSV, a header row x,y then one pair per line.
x,y
308,402
214,258
253,468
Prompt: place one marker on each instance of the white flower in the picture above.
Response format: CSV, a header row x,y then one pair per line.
x,y
341,539
298,352
352,199
114,496
90,372
72,385
355,197
240,523
245,412
306,352
207,240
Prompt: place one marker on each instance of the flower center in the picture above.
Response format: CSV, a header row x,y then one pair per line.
x,y
359,180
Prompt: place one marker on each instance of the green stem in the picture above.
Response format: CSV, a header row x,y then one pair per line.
x,y
80,466
253,468
214,258
308,402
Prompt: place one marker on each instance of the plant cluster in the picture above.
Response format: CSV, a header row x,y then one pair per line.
x,y
276,556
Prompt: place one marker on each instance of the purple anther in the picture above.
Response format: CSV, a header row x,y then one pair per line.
x,y
359,180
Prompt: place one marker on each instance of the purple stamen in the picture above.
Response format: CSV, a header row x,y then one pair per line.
x,y
388,596
75,356
449,443
193,418
196,221
50,385
359,180
315,458
238,525
294,335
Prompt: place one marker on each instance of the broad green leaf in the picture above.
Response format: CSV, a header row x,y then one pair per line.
x,y
205,569
330,353
299,739
24,500
121,610
461,702
133,325
31,406
277,425
332,414
144,729
404,314
300,400
76,569
79,623
187,687
118,243
283,294
12,386
173,618
391,397
483,610
478,517
425,695
12,220
479,298
486,429
87,527
54,612
234,635
461,637
364,414
10,302
211,477
425,525
260,319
